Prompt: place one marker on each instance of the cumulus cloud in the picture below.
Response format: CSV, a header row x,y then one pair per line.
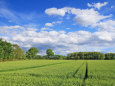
x,y
60,41
103,35
55,11
52,23
108,25
49,24
57,22
12,27
84,17
97,5
45,28
88,17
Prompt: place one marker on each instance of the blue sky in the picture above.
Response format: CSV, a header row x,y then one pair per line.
x,y
63,25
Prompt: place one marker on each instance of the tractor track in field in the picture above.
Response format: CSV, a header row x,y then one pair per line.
x,y
16,69
69,75
73,75
77,70
86,75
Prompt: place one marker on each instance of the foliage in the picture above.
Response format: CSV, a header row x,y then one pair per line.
x,y
109,56
6,50
49,53
10,52
31,53
101,73
58,57
86,55
18,52
1,52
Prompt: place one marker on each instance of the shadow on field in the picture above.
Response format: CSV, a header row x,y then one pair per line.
x,y
16,69
47,76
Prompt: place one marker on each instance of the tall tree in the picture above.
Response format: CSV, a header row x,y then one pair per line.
x,y
31,53
49,52
18,52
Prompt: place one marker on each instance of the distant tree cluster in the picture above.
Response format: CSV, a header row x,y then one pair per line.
x,y
91,55
61,57
109,56
86,55
10,51
50,55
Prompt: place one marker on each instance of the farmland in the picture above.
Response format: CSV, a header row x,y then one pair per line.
x,y
57,73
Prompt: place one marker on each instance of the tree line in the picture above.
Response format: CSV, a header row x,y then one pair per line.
x,y
91,55
10,51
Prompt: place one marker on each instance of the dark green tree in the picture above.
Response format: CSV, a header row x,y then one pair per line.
x,y
109,56
31,53
49,53
8,50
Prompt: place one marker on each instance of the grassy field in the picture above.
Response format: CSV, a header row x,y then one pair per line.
x,y
58,73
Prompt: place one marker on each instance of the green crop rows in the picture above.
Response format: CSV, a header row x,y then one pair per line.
x,y
58,73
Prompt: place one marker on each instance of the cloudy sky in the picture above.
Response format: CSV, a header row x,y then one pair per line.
x,y
64,26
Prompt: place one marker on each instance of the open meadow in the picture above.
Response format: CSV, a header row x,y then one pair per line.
x,y
58,73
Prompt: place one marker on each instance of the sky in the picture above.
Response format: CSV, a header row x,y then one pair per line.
x,y
64,26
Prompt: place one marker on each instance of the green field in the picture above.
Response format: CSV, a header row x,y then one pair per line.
x,y
58,73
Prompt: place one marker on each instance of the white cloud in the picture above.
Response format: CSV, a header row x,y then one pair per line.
x,y
49,25
12,27
106,36
19,38
88,17
55,11
57,22
84,17
108,25
28,46
97,5
45,28
52,23
60,41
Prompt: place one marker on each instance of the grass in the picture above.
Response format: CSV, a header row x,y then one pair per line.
x,y
101,73
57,73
